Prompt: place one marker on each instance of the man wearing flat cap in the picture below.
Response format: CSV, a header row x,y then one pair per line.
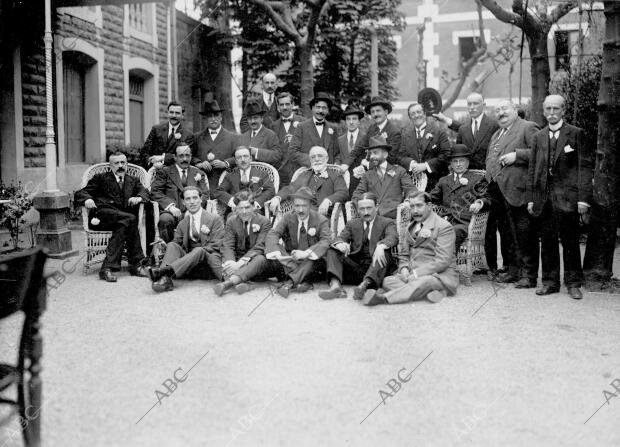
x,y
263,142
390,183
315,131
305,234
378,109
215,146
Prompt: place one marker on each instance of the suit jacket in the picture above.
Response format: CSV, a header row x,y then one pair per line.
x,y
390,191
269,117
512,179
286,165
158,143
233,246
223,148
104,190
343,147
260,185
383,231
572,170
457,197
167,188
305,136
363,141
286,229
433,255
333,188
267,143
434,150
211,241
478,145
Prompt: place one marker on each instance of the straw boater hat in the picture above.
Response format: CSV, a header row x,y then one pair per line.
x,y
378,101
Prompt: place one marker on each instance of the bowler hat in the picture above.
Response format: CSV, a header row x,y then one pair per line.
x,y
378,101
253,108
211,107
352,110
303,193
460,150
378,142
430,99
321,96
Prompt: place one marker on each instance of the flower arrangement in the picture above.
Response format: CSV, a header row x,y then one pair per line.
x,y
17,203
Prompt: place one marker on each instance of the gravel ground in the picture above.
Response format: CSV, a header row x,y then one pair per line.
x,y
488,367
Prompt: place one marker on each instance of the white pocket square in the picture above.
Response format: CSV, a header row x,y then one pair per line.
x,y
567,148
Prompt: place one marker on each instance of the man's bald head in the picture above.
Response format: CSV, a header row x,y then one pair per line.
x,y
555,99
269,83
475,104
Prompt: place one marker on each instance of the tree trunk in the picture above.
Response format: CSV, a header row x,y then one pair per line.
x,y
598,261
224,77
306,91
540,73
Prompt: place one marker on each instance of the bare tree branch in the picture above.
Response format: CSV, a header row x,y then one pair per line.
x,y
317,9
503,14
278,19
561,10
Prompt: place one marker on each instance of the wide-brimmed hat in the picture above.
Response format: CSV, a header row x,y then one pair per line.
x,y
352,110
322,96
378,142
253,108
303,193
460,150
430,99
378,101
211,107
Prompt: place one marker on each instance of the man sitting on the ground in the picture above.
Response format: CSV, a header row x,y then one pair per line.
x,y
327,187
306,239
427,265
244,245
197,239
361,252
112,200
463,193
167,190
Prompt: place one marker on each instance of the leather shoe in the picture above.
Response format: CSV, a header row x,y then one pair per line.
x,y
374,299
243,287
164,284
331,294
525,283
547,290
139,270
222,287
285,289
436,296
360,291
304,287
505,278
575,293
107,275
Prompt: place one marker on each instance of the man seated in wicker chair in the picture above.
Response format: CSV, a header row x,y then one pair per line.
x,y
112,199
462,193
327,187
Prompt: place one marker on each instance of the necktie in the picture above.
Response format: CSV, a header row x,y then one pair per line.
x,y
417,228
419,136
553,142
270,100
120,183
244,176
366,231
380,173
253,134
194,235
351,142
475,128
303,238
184,178
247,236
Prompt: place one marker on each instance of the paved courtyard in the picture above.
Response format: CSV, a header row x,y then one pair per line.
x,y
489,367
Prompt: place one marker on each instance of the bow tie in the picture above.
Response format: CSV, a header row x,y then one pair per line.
x,y
287,120
213,132
319,123
554,133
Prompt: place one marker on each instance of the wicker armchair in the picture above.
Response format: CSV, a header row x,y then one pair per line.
x,y
96,242
419,180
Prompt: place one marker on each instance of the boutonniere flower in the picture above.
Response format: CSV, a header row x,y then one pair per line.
x,y
330,131
255,179
95,221
311,231
463,181
568,149
384,135
425,233
429,136
205,230
391,173
295,123
177,136
255,228
322,174
198,177
210,156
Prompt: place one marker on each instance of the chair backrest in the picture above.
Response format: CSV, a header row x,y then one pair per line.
x,y
403,217
482,172
419,180
22,282
272,172
330,167
150,175
100,168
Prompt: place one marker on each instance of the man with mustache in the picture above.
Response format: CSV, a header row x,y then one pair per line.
x,y
390,183
167,190
427,265
112,199
347,142
507,165
284,127
263,142
264,94
314,132
361,253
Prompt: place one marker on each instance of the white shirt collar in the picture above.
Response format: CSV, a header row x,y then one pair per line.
x,y
255,132
197,215
118,177
422,128
266,97
305,222
383,166
216,130
171,128
354,133
180,169
382,125
555,127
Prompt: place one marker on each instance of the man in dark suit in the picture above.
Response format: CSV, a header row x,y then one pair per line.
x,y
305,234
427,265
159,147
390,183
314,132
243,246
462,193
266,97
378,109
425,147
475,132
112,199
195,248
507,163
244,176
215,146
361,253
559,189
263,142
167,190
327,187
283,127
347,141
